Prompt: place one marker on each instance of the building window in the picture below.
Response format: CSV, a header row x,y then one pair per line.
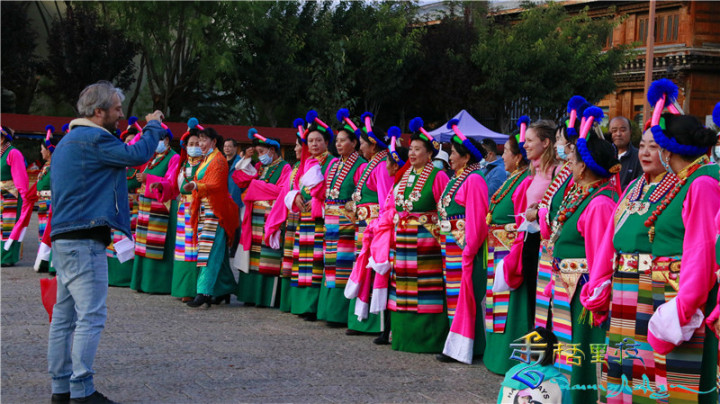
x,y
666,28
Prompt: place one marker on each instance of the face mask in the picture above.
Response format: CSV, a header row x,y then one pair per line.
x,y
194,151
483,163
265,159
438,164
665,165
716,153
561,152
161,147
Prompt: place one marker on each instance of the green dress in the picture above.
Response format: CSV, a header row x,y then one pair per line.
x,y
569,249
120,274
152,267
418,318
9,203
519,318
262,289
308,248
366,197
339,240
185,271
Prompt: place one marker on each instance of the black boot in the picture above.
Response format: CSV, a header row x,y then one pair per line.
x,y
218,300
201,300
444,358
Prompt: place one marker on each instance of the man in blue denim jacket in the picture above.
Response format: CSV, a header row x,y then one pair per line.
x,y
89,192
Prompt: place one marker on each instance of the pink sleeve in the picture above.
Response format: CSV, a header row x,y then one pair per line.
x,y
384,233
441,181
278,214
317,193
473,194
243,180
713,317
19,172
359,172
593,222
20,178
512,263
169,182
545,230
381,182
698,262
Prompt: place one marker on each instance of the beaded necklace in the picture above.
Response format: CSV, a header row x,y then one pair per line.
x,y
407,205
5,146
559,179
682,179
570,204
333,183
357,195
449,193
44,171
274,165
503,191
158,158
130,173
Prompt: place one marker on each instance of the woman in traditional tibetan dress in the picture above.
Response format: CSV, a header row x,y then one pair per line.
x,y
120,273
282,220
369,197
309,201
417,297
16,203
506,312
658,259
259,282
44,197
463,211
565,136
154,243
577,230
341,180
214,216
170,187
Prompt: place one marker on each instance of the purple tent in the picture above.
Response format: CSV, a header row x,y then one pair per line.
x,y
470,128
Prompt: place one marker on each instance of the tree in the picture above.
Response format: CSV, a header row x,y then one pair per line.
x,y
186,49
83,49
446,74
542,60
19,63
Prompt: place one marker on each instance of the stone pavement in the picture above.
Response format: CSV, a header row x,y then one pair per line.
x,y
156,350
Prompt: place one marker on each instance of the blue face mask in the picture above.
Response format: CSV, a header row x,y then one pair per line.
x,y
560,149
194,151
665,165
265,159
161,147
439,164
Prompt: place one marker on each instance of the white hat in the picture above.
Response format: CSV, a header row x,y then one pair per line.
x,y
442,155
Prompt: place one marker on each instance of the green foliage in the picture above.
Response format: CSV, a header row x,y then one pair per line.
x,y
544,59
19,63
84,50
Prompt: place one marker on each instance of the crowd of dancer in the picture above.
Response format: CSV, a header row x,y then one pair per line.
x,y
373,237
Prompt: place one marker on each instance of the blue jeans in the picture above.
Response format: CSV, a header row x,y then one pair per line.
x,y
78,316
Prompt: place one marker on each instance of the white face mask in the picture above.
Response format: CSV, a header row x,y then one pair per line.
x,y
716,154
194,151
561,151
265,159
439,164
161,147
665,164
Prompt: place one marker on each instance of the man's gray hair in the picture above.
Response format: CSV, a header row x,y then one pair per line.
x,y
98,95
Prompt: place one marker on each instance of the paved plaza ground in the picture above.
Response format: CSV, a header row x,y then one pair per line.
x,y
156,350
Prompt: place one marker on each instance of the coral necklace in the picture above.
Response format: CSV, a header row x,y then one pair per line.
x,y
683,176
